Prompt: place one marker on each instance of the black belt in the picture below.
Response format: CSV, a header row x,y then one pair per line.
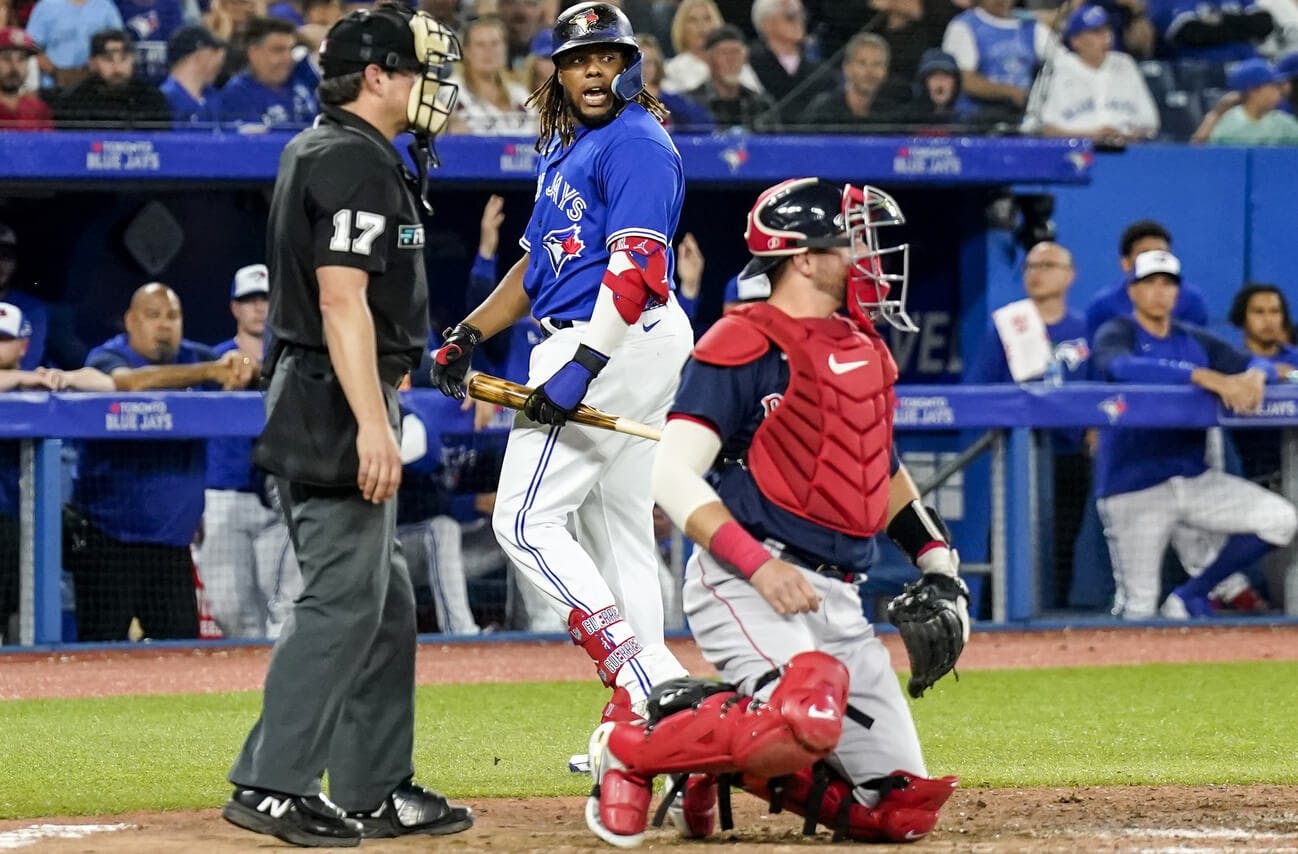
x,y
551,325
392,367
808,561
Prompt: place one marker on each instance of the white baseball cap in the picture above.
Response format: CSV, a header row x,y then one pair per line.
x,y
12,322
1156,261
250,281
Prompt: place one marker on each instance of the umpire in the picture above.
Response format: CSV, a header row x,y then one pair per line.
x,y
348,318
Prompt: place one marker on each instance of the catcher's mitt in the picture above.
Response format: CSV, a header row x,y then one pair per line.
x,y
932,616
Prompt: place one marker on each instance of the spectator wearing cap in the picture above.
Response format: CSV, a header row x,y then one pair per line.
x,y
137,504
1215,30
319,16
1257,119
936,91
1153,484
249,573
63,29
998,54
293,11
693,22
780,58
195,57
1091,90
267,94
683,115
152,23
33,308
112,96
731,103
19,110
490,102
858,101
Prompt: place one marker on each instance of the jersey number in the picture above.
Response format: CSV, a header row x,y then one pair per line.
x,y
370,225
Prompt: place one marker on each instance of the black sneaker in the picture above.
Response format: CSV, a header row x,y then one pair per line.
x,y
310,821
412,809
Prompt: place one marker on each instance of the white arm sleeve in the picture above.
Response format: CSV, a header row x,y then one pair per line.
x,y
959,42
685,453
606,330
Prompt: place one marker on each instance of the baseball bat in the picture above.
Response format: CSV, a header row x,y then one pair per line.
x,y
512,395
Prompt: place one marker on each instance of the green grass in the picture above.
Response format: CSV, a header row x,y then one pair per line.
x,y
1152,724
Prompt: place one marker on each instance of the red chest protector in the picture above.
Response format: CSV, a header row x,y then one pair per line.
x,y
824,453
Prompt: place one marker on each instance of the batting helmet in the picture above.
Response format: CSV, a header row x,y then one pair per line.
x,y
801,214
599,23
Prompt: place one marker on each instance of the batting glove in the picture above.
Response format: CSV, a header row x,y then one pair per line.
x,y
556,398
452,359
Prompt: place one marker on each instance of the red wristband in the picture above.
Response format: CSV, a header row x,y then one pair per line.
x,y
732,544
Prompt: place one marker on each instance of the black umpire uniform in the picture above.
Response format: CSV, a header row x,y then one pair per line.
x,y
339,694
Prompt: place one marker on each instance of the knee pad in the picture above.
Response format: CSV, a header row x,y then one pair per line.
x,y
907,809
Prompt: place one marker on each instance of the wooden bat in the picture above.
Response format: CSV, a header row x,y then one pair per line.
x,y
511,395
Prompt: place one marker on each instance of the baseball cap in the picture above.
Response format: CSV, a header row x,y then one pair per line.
x,y
13,38
1287,65
187,40
1088,17
1252,73
934,60
250,281
542,43
1156,261
379,36
100,41
724,33
12,323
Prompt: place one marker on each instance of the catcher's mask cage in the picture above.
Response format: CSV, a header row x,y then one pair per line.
x,y
432,99
810,213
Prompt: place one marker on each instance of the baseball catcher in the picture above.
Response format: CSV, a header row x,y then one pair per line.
x,y
778,459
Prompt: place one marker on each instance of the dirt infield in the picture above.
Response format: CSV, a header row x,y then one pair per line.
x,y
1168,819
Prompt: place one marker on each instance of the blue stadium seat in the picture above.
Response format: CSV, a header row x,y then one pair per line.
x,y
1159,77
1179,115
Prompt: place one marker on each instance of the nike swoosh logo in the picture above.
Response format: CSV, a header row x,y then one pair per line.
x,y
648,327
843,367
822,714
912,835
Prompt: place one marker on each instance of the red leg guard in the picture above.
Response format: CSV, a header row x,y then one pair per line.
x,y
800,724
695,816
904,814
590,632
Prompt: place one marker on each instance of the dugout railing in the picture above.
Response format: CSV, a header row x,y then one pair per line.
x,y
1001,422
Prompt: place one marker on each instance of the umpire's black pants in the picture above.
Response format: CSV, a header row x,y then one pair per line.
x,y
340,690
116,581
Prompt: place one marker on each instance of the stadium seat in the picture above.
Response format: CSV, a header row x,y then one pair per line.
x,y
1159,77
1195,75
1179,115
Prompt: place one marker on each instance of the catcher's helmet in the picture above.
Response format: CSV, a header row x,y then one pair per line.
x,y
600,23
802,214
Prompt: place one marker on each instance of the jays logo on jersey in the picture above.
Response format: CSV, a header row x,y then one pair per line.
x,y
563,244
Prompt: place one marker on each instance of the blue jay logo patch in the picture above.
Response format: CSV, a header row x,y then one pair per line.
x,y
563,244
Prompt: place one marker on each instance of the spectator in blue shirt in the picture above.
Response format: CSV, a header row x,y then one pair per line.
x,y
998,54
249,572
1153,482
137,504
195,57
1215,30
1141,236
151,23
63,29
266,95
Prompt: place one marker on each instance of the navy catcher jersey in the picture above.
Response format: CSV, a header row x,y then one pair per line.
x,y
734,402
620,180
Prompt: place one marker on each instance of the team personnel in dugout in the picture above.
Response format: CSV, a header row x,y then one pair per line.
x,y
1261,313
1152,482
348,321
136,505
249,572
1144,235
596,273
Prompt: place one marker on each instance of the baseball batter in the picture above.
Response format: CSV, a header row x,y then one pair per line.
x,y
595,274
786,405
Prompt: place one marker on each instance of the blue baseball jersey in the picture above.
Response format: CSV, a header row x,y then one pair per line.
x,y
620,180
734,401
246,101
1191,307
38,316
1259,450
1131,460
142,492
426,485
1169,16
1071,351
229,458
187,111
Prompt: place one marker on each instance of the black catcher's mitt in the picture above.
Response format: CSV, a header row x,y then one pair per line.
x,y
932,616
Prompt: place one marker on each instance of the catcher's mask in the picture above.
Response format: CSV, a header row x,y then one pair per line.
x,y
397,39
802,214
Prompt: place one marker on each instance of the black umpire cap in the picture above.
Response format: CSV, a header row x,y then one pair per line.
x,y
381,36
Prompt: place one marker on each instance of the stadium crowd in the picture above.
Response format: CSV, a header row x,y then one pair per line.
x,y
1116,71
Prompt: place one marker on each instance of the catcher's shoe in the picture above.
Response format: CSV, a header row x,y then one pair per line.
x,y
413,810
617,810
694,809
311,821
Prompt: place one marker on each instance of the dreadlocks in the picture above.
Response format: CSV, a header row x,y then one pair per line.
x,y
556,119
